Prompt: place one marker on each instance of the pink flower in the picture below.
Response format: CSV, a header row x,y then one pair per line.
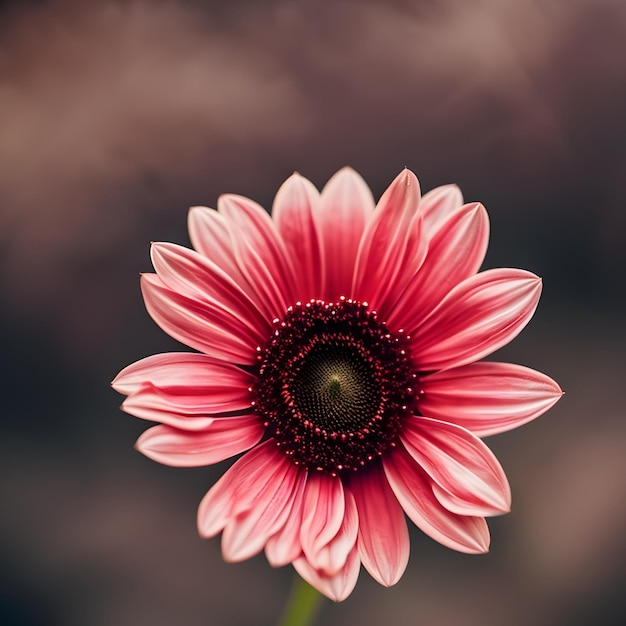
x,y
337,348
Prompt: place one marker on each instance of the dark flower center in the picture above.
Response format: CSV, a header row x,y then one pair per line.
x,y
334,385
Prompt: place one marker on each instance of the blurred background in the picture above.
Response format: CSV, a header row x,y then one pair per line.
x,y
116,116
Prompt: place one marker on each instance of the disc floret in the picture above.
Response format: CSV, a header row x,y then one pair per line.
x,y
334,385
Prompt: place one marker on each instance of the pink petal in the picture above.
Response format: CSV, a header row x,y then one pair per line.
x,y
438,205
455,252
332,558
220,440
260,253
488,398
383,539
471,480
183,412
477,317
234,493
383,247
292,213
246,534
210,236
409,264
413,488
284,547
185,408
182,389
322,514
186,373
336,587
201,325
345,206
194,276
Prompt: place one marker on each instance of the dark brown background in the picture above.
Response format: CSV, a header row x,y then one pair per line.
x,y
117,116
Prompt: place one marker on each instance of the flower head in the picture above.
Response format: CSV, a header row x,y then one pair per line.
x,y
338,346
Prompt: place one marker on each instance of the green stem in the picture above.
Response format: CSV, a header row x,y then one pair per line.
x,y
303,605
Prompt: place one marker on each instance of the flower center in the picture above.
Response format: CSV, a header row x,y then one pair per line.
x,y
334,385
